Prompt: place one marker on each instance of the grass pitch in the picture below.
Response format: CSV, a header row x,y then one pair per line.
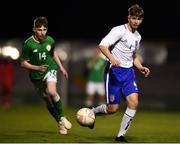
x,y
33,124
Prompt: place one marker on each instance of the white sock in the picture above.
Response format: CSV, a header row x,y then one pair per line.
x,y
126,121
100,109
56,98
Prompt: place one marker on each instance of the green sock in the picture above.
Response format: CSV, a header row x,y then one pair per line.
x,y
59,109
53,112
50,107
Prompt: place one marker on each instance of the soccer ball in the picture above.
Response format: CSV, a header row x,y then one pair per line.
x,y
85,117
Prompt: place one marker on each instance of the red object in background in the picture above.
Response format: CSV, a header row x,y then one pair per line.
x,y
6,82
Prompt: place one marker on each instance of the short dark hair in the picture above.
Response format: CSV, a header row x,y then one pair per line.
x,y
136,10
40,21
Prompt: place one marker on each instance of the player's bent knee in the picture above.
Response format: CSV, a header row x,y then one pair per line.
x,y
133,105
52,94
112,109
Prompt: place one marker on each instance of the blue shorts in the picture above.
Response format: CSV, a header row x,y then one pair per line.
x,y
119,83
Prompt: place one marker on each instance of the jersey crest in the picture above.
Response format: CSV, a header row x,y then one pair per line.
x,y
112,98
48,47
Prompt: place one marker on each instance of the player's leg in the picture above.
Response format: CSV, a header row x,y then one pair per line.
x,y
90,91
112,94
52,92
102,108
106,109
101,93
51,81
89,100
130,93
112,87
64,124
101,99
50,106
47,89
41,89
128,116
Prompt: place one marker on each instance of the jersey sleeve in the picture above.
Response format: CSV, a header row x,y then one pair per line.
x,y
114,35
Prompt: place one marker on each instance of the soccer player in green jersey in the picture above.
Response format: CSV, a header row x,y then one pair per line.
x,y
40,58
95,81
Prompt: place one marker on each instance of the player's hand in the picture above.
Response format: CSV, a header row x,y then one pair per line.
x,y
43,68
145,71
64,72
115,62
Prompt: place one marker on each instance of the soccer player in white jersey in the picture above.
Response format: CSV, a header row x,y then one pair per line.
x,y
120,46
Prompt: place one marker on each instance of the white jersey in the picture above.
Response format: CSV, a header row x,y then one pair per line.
x,y
126,46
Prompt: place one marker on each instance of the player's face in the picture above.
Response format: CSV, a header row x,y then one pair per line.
x,y
134,21
40,33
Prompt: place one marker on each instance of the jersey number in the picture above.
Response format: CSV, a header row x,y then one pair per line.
x,y
42,56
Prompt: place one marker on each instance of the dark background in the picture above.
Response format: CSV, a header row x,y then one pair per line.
x,y
88,19
80,25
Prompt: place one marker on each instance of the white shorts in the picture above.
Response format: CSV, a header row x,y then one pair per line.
x,y
41,86
51,76
95,87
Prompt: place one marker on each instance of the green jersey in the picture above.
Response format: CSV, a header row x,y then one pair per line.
x,y
97,71
39,53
